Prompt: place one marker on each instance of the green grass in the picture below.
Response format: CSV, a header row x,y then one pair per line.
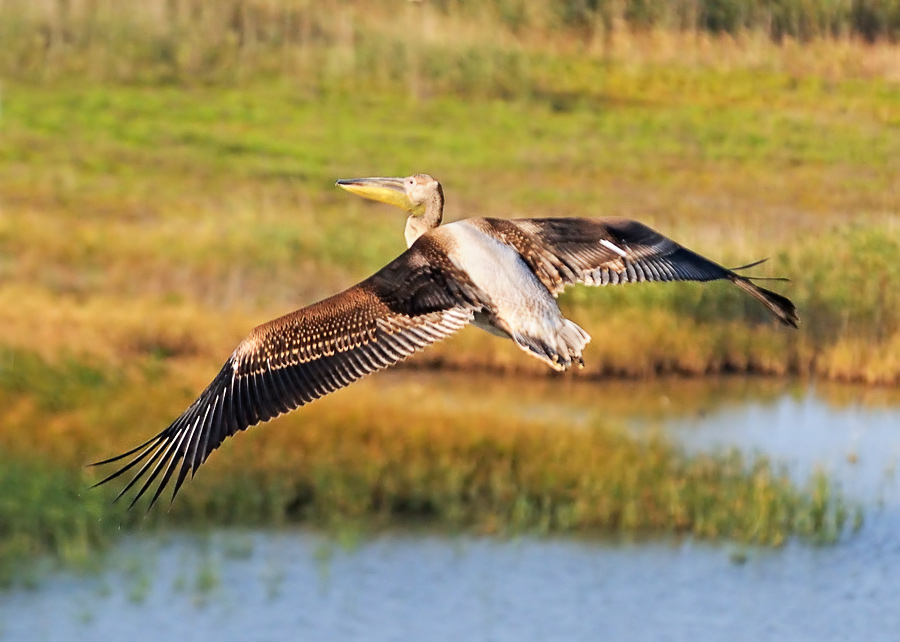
x,y
165,190
220,199
224,196
47,512
369,460
463,46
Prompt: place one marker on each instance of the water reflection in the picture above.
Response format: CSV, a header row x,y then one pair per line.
x,y
291,586
858,446
852,432
300,585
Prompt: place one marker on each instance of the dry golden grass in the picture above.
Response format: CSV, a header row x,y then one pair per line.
x,y
375,455
831,59
410,43
855,359
166,185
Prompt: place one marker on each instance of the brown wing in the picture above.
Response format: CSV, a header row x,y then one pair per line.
x,y
566,251
417,299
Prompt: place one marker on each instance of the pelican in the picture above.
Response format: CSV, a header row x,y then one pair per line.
x,y
502,275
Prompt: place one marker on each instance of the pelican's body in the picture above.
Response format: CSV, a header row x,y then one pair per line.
x,y
501,275
519,305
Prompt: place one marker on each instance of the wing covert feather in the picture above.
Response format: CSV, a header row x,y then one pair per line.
x,y
606,251
602,251
414,301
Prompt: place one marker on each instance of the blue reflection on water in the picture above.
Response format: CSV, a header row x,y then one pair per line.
x,y
296,585
857,446
400,587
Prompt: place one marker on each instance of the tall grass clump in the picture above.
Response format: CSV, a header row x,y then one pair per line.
x,y
508,477
47,513
221,200
166,177
378,460
461,46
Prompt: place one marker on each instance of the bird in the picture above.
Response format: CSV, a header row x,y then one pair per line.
x,y
502,275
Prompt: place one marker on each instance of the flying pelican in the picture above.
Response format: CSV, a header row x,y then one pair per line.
x,y
502,275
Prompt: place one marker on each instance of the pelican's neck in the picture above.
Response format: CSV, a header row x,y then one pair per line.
x,y
417,225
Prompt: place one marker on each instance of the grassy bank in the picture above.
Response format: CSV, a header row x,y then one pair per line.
x,y
464,45
372,460
138,214
166,183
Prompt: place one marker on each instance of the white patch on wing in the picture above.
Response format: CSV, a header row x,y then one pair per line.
x,y
615,248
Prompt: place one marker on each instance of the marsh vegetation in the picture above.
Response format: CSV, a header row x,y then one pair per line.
x,y
166,184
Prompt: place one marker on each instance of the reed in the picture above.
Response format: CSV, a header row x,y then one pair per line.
x,y
166,184
372,459
221,200
474,48
46,514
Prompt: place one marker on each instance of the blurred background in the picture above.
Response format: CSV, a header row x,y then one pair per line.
x,y
167,183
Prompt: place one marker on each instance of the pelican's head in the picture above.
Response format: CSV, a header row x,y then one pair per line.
x,y
411,193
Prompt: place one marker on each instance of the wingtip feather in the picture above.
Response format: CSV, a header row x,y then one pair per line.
x,y
781,306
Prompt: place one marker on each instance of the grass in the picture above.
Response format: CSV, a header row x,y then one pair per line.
x,y
166,188
222,197
462,45
47,513
364,459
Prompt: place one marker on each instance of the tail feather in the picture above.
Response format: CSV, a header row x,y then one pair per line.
x,y
749,265
781,306
560,350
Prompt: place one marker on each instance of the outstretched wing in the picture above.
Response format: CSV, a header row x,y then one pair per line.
x,y
602,251
414,301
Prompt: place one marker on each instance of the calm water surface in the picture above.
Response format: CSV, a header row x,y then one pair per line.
x,y
298,585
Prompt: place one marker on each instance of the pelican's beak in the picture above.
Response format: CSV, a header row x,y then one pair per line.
x,y
384,190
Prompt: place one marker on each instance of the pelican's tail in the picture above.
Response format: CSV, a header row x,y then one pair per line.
x,y
781,306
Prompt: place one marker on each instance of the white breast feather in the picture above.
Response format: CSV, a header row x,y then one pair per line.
x,y
518,297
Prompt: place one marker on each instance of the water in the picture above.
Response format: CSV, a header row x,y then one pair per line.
x,y
856,445
298,585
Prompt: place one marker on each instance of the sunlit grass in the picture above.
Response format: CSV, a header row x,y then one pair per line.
x,y
466,47
165,189
372,460
46,512
221,199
